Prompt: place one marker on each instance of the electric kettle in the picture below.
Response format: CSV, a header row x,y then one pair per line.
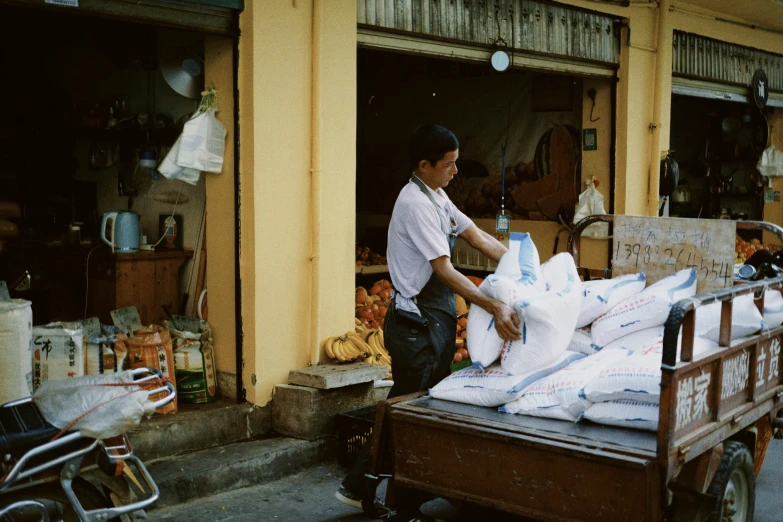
x,y
124,231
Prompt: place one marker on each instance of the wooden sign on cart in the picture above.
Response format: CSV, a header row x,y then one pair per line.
x,y
660,247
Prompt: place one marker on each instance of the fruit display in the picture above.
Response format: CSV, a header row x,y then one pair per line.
x,y
366,257
461,354
371,305
743,250
359,345
462,346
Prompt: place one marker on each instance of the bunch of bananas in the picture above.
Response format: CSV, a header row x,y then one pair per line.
x,y
362,344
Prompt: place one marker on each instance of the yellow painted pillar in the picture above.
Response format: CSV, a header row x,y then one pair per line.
x,y
298,175
220,220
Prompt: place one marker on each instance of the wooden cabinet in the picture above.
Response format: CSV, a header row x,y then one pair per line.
x,y
147,280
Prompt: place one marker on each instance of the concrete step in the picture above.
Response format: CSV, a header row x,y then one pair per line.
x,y
199,426
207,472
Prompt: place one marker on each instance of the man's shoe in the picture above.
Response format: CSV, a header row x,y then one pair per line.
x,y
348,498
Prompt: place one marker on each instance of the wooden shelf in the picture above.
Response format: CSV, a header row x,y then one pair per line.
x,y
372,269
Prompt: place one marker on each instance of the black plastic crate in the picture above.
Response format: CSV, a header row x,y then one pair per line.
x,y
354,429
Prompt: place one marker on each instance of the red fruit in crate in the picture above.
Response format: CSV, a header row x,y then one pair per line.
x,y
376,289
457,357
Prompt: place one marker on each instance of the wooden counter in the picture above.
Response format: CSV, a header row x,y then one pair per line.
x,y
146,280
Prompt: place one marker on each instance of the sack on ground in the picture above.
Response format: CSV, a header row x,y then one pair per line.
x,y
548,319
745,319
58,353
626,414
601,295
645,310
492,386
150,347
16,350
773,308
560,395
194,359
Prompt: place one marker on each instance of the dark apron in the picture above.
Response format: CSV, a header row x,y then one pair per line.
x,y
422,358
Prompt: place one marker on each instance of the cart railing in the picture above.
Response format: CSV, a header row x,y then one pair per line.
x,y
708,400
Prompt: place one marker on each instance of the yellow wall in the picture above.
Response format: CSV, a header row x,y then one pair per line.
x,y
302,202
298,121
220,222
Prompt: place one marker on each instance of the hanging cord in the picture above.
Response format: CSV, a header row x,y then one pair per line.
x,y
87,278
508,119
172,214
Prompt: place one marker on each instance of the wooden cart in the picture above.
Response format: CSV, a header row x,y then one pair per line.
x,y
717,415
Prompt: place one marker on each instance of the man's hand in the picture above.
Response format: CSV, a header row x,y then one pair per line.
x,y
506,322
506,319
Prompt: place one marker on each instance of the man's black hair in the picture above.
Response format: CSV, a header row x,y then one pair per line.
x,y
431,142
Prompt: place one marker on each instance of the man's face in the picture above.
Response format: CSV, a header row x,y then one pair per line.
x,y
441,173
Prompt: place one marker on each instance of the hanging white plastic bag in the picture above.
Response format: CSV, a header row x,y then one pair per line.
x,y
203,142
170,169
591,202
771,162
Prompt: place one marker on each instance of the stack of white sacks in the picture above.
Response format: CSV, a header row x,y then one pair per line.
x,y
588,350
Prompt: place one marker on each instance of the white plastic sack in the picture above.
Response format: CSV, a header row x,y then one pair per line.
x,y
560,395
625,414
203,143
745,319
521,262
492,386
771,162
638,340
517,274
169,168
591,202
16,350
582,342
601,295
636,377
484,343
548,319
103,409
645,310
58,353
773,309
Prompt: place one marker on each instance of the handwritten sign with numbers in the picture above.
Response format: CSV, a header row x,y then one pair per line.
x,y
660,247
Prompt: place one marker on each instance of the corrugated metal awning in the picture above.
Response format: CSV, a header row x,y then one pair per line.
x,y
543,36
208,16
700,58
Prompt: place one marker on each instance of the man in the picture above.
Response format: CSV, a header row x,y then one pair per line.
x,y
420,325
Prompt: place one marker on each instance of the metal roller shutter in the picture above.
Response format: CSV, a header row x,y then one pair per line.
x,y
708,68
545,36
207,16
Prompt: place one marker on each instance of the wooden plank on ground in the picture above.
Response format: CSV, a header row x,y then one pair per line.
x,y
660,247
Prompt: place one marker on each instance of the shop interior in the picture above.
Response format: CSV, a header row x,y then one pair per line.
x,y
487,110
717,145
92,106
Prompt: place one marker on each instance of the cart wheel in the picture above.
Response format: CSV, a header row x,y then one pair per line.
x,y
734,485
369,504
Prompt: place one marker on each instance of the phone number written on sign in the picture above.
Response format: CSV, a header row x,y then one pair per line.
x,y
681,250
